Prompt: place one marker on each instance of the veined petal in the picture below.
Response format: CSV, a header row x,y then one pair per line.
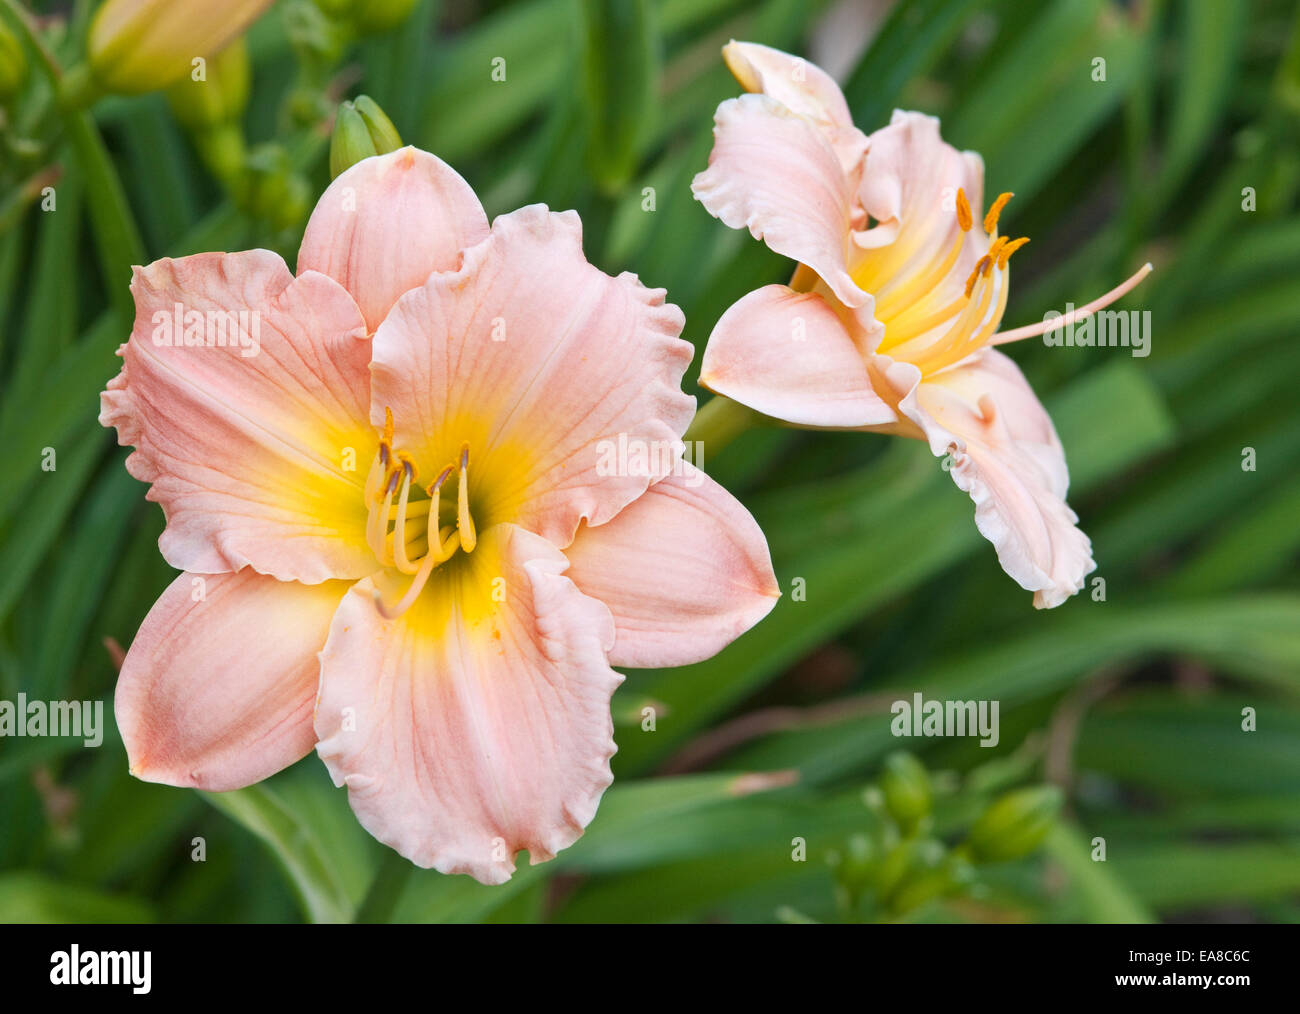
x,y
685,570
788,355
1006,455
218,693
776,174
383,226
256,453
540,362
909,188
477,723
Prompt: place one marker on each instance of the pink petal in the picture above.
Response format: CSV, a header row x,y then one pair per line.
x,y
475,724
387,223
249,454
776,173
218,694
800,86
909,186
685,570
804,89
788,355
1005,453
541,363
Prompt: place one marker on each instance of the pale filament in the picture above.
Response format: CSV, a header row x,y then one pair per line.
x,y
974,316
415,545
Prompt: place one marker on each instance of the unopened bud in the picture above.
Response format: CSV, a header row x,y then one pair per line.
x,y
906,787
144,45
1015,824
360,130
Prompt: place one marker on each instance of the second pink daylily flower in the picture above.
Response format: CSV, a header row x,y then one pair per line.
x,y
891,321
399,545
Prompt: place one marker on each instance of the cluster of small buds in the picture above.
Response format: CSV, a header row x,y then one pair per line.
x,y
899,865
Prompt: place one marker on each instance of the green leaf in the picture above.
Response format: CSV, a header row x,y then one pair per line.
x,y
313,835
31,897
620,71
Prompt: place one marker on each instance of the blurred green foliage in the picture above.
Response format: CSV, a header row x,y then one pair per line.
x,y
1131,706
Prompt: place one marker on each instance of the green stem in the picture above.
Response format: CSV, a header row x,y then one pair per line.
x,y
719,422
386,889
117,238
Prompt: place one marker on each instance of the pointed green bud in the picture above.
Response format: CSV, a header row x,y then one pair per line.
x,y
855,866
220,96
13,63
906,787
1015,824
360,130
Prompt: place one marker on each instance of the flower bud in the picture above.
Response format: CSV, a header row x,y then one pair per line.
x,y
1015,824
360,130
906,787
13,63
221,96
903,862
854,868
144,45
942,877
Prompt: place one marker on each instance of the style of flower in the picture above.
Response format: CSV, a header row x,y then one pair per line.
x,y
891,321
398,547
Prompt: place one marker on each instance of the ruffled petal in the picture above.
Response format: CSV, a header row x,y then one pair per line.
x,y
477,723
788,355
776,174
387,223
1005,453
258,452
218,688
543,365
685,570
800,86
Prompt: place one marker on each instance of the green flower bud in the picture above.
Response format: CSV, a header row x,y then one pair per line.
x,y
927,881
855,866
221,97
906,787
360,130
274,191
899,861
1015,824
13,63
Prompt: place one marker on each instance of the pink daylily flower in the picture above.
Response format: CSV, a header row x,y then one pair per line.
x,y
891,320
399,547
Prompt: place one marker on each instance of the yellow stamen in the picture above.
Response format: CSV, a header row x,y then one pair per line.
x,y
918,284
398,549
963,210
976,271
464,522
1009,249
991,219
